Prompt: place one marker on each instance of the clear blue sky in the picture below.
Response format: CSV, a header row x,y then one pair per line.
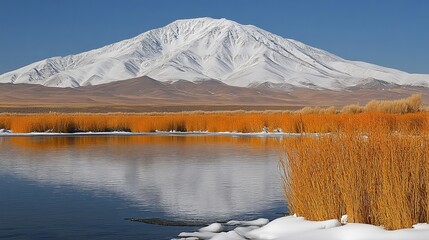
x,y
392,33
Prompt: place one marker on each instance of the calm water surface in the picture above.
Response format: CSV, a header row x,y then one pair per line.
x,y
84,187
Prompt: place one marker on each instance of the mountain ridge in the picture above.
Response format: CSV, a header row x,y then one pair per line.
x,y
206,49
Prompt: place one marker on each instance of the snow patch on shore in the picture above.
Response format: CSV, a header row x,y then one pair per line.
x,y
298,228
258,222
5,131
214,228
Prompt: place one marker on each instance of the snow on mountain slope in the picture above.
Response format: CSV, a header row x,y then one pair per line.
x,y
206,48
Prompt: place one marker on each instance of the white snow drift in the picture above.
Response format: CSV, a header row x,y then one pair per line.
x,y
206,48
297,228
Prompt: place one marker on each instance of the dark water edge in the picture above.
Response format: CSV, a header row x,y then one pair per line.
x,y
63,212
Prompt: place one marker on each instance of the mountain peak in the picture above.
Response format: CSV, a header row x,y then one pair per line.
x,y
209,49
204,20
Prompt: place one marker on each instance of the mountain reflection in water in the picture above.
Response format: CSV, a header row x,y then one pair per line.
x,y
185,176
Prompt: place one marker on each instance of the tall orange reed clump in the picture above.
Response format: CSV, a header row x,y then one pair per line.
x,y
373,174
411,104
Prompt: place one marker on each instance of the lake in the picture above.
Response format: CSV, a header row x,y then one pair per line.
x,y
84,187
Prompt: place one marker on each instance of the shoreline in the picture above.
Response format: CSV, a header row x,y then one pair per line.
x,y
158,133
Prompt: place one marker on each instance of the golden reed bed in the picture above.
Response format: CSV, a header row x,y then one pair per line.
x,y
212,122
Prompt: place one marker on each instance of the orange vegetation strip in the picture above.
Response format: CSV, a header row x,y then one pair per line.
x,y
212,122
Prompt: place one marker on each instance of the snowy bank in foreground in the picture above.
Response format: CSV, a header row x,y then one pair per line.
x,y
297,228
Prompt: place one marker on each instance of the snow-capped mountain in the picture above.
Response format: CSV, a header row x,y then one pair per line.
x,y
206,48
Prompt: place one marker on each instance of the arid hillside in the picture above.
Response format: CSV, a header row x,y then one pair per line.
x,y
148,95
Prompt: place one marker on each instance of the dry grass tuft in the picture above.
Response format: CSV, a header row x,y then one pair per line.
x,y
352,109
317,110
373,174
411,104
